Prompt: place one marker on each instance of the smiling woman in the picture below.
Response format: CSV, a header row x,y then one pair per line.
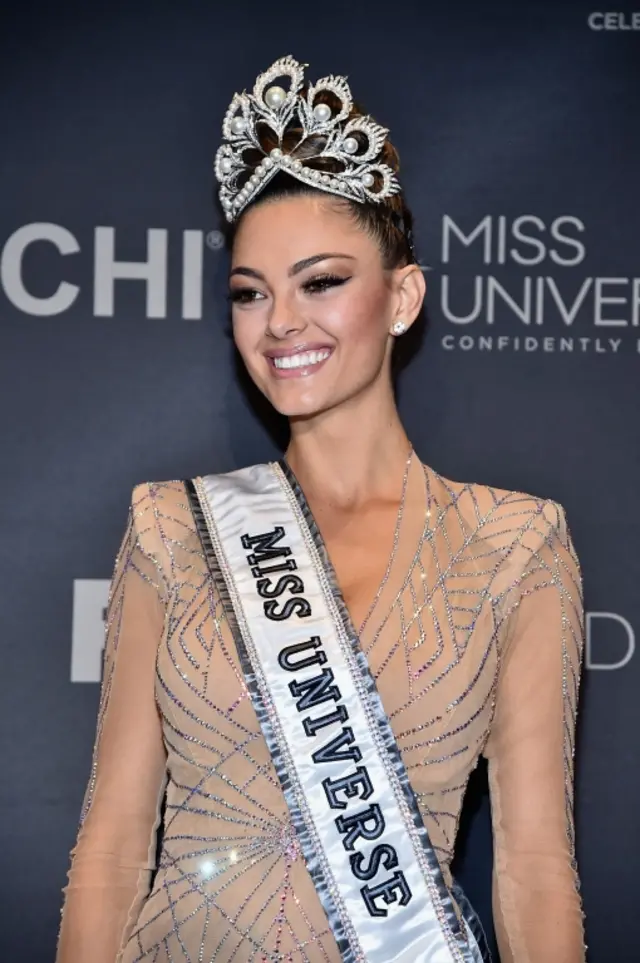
x,y
330,313
306,659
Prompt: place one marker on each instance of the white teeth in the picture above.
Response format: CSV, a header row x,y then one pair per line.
x,y
302,360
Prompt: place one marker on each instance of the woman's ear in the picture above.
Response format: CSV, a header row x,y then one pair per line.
x,y
410,291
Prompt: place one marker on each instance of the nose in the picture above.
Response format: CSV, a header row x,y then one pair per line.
x,y
284,319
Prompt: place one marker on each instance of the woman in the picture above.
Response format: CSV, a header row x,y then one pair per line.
x,y
305,660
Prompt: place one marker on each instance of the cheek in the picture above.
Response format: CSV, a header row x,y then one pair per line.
x,y
246,335
359,320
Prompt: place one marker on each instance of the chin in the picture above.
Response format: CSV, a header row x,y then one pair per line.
x,y
298,409
287,404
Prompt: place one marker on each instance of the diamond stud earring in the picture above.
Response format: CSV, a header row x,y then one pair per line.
x,y
399,327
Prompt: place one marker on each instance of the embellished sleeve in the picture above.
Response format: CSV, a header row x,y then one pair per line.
x,y
114,855
536,902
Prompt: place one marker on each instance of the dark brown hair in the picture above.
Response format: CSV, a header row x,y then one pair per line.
x,y
388,222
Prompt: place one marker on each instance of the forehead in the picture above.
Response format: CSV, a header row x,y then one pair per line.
x,y
284,230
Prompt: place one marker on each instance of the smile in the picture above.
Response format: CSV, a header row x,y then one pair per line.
x,y
305,359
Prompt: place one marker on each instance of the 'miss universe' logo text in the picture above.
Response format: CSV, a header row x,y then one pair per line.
x,y
511,285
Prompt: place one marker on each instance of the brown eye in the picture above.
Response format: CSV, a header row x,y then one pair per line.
x,y
323,283
243,295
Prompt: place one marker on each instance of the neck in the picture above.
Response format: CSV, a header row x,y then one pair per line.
x,y
350,454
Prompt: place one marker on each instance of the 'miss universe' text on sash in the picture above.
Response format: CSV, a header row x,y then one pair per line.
x,y
272,567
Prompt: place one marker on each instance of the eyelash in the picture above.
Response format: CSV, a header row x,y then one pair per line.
x,y
324,281
314,286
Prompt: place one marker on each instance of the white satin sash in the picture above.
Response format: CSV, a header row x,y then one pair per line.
x,y
356,817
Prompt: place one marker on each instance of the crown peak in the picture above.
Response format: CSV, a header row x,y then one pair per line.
x,y
355,145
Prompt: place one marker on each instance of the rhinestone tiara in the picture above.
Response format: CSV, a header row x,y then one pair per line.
x,y
355,144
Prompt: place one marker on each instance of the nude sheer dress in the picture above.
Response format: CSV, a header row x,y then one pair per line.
x,y
475,642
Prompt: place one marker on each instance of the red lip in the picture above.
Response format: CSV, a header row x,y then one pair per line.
x,y
297,349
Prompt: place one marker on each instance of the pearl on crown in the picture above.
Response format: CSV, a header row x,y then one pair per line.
x,y
274,97
350,145
322,112
368,180
238,125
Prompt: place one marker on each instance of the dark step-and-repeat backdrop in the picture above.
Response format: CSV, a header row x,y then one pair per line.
x,y
518,129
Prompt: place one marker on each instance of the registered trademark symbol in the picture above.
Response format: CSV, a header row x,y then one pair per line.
x,y
215,240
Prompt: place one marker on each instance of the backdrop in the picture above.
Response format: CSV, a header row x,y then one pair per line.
x,y
517,127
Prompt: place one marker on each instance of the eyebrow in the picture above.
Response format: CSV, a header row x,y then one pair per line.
x,y
294,269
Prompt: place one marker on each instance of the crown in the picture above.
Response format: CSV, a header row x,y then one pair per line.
x,y
355,144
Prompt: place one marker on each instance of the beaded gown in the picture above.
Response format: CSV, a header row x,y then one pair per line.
x,y
185,850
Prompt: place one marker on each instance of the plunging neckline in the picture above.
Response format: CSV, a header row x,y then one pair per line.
x,y
355,629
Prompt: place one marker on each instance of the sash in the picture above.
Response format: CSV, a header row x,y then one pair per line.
x,y
356,817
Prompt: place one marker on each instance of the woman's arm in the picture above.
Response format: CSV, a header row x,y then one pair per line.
x,y
115,850
536,904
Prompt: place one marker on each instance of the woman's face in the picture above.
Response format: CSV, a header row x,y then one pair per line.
x,y
312,306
